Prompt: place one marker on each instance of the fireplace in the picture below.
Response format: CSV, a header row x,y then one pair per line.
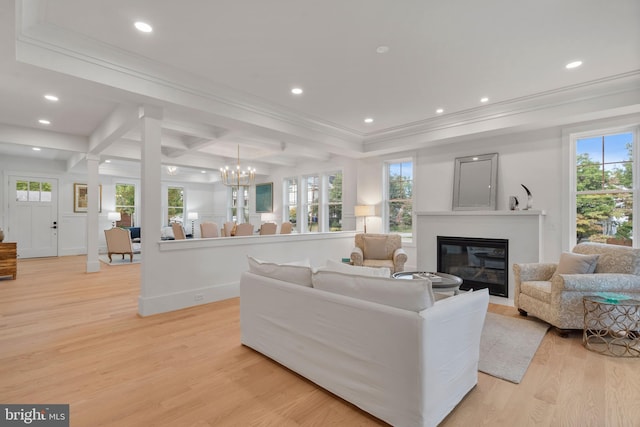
x,y
481,263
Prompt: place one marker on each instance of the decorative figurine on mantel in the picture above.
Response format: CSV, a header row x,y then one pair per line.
x,y
513,203
529,198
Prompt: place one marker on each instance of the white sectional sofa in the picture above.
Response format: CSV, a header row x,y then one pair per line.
x,y
404,366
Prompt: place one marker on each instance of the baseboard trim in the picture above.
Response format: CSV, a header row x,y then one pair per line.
x,y
191,298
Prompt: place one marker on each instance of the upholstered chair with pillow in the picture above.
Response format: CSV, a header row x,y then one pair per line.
x,y
553,292
379,250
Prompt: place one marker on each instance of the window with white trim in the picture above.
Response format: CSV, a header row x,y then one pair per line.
x,y
604,186
175,205
290,201
126,204
398,195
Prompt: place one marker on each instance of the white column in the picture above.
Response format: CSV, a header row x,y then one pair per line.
x,y
151,198
93,209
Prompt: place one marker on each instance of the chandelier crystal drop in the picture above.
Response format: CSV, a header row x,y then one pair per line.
x,y
237,177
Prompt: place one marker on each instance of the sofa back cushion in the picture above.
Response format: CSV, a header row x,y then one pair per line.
x,y
357,270
613,258
414,295
298,272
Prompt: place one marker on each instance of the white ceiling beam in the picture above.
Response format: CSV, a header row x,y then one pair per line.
x,y
42,138
117,124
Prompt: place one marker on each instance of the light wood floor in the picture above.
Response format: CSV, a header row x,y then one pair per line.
x,y
71,337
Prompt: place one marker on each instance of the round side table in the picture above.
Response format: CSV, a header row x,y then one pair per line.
x,y
440,282
612,325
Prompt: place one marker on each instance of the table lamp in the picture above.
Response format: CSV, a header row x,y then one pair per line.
x,y
114,217
364,211
192,216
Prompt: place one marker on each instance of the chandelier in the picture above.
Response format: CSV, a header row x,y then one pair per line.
x,y
237,177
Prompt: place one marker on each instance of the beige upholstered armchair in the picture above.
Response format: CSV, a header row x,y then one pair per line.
x,y
553,292
118,242
379,250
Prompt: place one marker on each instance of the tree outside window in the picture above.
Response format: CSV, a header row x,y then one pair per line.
x,y
335,201
313,200
175,211
125,204
604,189
291,201
400,199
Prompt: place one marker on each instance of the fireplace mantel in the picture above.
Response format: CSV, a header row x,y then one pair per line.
x,y
522,228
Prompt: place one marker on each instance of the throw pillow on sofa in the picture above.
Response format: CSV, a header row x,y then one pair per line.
x,y
295,272
572,263
415,295
341,267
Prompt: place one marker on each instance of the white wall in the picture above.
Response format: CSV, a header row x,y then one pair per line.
x,y
531,158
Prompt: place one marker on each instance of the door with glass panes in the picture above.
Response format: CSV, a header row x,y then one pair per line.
x,y
33,216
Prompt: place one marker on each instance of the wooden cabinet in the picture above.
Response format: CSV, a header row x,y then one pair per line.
x,y
8,259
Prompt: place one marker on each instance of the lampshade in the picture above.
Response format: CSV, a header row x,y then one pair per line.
x,y
192,216
364,210
114,216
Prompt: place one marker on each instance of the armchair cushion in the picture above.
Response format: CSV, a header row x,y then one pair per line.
x,y
571,263
375,247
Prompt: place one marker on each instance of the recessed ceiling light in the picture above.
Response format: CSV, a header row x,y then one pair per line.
x,y
143,27
51,98
439,111
107,161
44,122
382,49
368,120
484,99
203,171
297,91
36,148
574,64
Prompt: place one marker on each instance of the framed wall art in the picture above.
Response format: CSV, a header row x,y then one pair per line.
x,y
264,197
80,199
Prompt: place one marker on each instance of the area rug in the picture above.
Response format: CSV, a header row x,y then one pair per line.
x,y
117,259
508,344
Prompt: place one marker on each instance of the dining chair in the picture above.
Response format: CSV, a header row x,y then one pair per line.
x,y
178,231
286,227
244,229
268,228
209,229
227,227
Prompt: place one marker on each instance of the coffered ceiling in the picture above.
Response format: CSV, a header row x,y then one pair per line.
x,y
222,73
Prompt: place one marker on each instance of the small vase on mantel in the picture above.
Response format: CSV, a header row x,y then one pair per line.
x,y
1,235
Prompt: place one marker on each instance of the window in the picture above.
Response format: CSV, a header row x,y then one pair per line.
x,y
604,187
335,201
244,205
312,203
33,191
321,204
175,212
399,199
291,200
126,204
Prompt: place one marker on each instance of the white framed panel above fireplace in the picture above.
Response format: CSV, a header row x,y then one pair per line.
x,y
523,229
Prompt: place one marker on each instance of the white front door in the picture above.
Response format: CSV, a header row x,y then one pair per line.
x,y
33,216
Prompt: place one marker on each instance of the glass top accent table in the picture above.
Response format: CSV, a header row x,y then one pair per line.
x,y
612,325
440,282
